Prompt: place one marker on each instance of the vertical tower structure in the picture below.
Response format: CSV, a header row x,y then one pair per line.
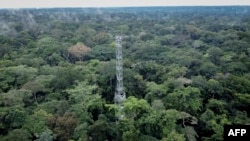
x,y
120,95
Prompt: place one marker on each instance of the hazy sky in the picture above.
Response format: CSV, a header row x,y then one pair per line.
x,y
114,3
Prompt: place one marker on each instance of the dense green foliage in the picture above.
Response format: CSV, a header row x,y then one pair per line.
x,y
186,73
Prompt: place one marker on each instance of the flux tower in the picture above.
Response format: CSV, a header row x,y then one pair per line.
x,y
120,95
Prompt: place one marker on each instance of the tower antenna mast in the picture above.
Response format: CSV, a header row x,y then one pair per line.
x,y
120,95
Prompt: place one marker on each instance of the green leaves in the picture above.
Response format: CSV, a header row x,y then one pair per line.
x,y
244,99
36,123
11,98
17,134
65,78
101,129
237,84
127,130
46,135
185,99
135,108
83,99
15,117
214,124
47,45
16,76
214,88
82,93
155,91
174,136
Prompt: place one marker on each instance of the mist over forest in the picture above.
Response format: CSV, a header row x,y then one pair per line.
x,y
186,73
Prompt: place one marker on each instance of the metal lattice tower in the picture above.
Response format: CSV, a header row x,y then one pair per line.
x,y
120,95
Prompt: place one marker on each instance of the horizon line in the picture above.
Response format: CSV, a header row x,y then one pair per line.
x,y
136,6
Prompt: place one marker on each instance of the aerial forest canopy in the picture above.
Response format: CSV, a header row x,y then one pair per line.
x,y
186,73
